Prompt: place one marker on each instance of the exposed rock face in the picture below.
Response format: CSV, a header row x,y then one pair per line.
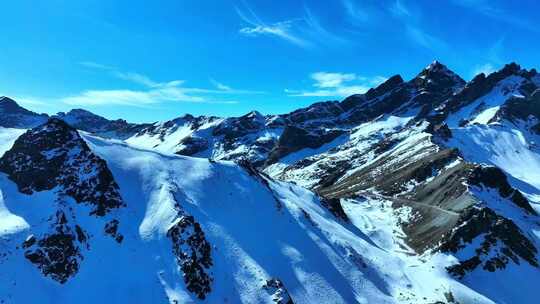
x,y
495,178
294,139
111,228
365,107
501,241
335,207
54,155
193,254
57,254
434,85
441,132
436,206
394,179
316,115
524,110
437,78
14,116
87,121
278,292
480,86
232,128
192,145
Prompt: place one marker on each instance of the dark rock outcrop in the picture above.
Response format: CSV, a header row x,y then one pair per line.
x,y
111,228
480,86
193,254
87,121
235,127
192,145
53,155
58,253
394,179
277,291
294,139
521,109
334,206
501,242
495,178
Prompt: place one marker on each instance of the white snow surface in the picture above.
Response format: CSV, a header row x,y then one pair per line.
x,y
357,142
483,109
511,146
254,237
168,139
256,232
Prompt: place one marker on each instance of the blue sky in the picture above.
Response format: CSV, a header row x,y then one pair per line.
x,y
154,60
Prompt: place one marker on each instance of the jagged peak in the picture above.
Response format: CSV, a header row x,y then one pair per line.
x,y
435,69
5,99
384,87
511,67
437,77
254,114
7,103
81,112
436,65
53,124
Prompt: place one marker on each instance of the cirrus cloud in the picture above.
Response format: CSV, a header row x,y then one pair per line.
x,y
337,85
151,92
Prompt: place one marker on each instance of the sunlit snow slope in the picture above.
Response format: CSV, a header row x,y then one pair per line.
x,y
257,232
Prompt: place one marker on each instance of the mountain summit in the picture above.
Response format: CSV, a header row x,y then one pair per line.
x,y
15,116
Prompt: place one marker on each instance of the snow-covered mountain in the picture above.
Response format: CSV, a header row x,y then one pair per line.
x,y
14,116
418,191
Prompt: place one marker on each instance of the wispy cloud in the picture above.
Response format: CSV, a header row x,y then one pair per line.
x,y
489,9
371,16
220,86
331,80
495,51
95,65
151,92
305,31
337,85
317,32
492,56
357,14
34,102
129,97
399,9
487,69
414,30
145,81
256,27
424,39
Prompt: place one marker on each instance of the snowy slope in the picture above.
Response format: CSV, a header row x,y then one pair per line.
x,y
257,231
503,145
210,137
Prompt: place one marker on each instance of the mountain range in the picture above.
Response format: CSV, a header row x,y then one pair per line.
x,y
417,191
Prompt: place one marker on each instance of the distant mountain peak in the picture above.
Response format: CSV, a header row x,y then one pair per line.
x,y
437,68
438,77
15,116
254,114
5,99
435,65
8,104
81,112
